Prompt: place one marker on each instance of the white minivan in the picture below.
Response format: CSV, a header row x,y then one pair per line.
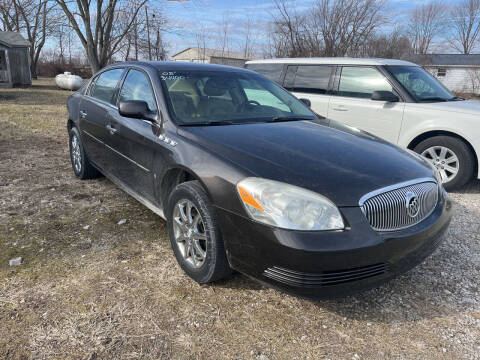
x,y
393,99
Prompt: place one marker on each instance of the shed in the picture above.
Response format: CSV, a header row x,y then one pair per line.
x,y
458,72
14,60
211,56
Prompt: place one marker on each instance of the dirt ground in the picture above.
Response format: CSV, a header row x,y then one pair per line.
x,y
92,289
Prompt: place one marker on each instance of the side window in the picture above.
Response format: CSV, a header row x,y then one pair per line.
x,y
312,79
255,92
361,82
137,87
103,87
270,71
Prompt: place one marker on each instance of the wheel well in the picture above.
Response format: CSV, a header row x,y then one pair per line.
x,y
172,178
70,124
430,134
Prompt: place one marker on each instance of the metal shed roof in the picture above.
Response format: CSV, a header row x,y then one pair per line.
x,y
13,39
448,59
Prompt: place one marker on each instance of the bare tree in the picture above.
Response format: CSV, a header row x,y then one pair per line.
x,y
346,24
330,28
394,45
288,31
30,18
100,31
465,18
427,22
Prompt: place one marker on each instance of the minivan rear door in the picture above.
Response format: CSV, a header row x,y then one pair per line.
x,y
351,104
312,82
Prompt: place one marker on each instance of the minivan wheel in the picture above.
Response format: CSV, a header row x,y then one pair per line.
x,y
194,234
82,167
451,156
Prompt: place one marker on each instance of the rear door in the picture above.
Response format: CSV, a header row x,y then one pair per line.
x,y
351,104
96,107
312,82
133,141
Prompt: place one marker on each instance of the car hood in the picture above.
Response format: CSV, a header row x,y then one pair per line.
x,y
339,162
461,106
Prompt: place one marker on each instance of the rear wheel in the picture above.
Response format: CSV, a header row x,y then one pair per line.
x,y
195,235
451,156
82,167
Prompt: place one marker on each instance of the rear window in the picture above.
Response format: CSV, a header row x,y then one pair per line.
x,y
270,71
312,79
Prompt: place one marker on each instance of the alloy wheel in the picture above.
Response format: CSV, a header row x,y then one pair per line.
x,y
189,233
76,154
444,159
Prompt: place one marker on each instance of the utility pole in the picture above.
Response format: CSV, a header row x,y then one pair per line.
x,y
148,35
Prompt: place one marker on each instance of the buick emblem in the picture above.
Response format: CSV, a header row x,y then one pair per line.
x,y
411,204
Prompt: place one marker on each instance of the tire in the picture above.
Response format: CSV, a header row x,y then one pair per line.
x,y
432,148
82,167
195,238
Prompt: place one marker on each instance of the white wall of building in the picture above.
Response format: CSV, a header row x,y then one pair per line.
x,y
458,79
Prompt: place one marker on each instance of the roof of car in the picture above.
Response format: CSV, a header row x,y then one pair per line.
x,y
334,60
180,65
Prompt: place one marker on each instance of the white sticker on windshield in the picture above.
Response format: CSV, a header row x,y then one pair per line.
x,y
171,75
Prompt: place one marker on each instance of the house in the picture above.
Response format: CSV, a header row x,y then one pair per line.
x,y
458,72
211,56
14,60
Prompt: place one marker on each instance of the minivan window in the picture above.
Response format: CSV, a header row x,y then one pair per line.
x,y
103,87
214,97
137,87
312,79
270,71
361,82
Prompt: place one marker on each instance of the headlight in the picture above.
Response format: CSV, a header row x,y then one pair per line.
x,y
288,206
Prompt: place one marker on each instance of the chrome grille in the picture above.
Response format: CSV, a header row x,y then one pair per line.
x,y
387,209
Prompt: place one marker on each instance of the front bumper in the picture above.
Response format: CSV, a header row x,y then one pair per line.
x,y
330,263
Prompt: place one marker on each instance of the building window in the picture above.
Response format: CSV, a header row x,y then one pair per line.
x,y
441,72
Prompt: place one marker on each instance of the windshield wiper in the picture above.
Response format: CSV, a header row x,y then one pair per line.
x,y
288,118
456,98
210,123
433,98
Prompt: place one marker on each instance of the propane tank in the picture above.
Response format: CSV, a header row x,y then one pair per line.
x,y
68,81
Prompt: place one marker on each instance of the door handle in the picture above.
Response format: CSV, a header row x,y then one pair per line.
x,y
111,129
83,114
339,109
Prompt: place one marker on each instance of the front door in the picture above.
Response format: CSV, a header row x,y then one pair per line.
x,y
133,140
96,107
351,103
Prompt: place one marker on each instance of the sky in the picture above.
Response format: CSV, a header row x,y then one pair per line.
x,y
188,17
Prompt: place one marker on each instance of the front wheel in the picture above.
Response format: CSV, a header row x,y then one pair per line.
x,y
451,156
82,167
194,234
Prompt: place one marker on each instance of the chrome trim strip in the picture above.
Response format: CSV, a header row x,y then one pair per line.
x,y
126,157
394,187
93,137
136,196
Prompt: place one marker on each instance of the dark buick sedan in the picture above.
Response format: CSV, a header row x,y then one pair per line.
x,y
248,178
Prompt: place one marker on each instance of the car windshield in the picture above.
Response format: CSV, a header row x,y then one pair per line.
x,y
233,97
422,86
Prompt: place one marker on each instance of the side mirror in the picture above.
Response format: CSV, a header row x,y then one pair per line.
x,y
384,96
136,109
306,102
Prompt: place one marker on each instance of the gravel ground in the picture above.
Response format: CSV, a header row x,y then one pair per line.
x,y
94,287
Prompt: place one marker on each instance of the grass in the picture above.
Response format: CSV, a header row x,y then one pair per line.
x,y
92,289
